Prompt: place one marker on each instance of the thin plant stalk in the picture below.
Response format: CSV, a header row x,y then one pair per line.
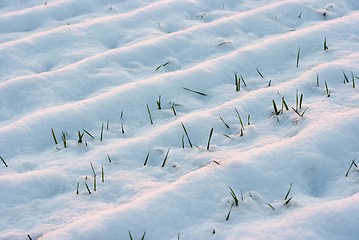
x,y
239,117
147,156
53,135
209,138
224,122
101,135
149,113
298,56
260,74
3,162
165,160
229,213
185,131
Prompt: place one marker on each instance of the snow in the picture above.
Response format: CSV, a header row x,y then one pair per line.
x,y
76,66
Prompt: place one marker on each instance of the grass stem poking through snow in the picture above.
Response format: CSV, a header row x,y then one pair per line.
x,y
173,109
301,101
185,131
249,119
28,234
346,80
159,103
107,124
129,233
239,117
260,74
300,114
182,140
224,122
81,135
88,189
3,162
229,212
317,80
122,129
149,113
165,160
94,177
351,165
244,82
143,236
53,135
209,138
64,140
325,44
162,65
270,206
109,159
327,89
147,156
200,93
284,105
298,56
77,189
89,134
290,188
101,135
234,196
353,79
102,175
275,108
237,82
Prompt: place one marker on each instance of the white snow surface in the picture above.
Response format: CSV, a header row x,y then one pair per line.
x,y
76,65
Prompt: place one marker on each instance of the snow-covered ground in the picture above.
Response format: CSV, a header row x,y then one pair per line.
x,y
102,69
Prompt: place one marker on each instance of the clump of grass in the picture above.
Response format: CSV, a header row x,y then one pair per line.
x,y
158,102
351,165
186,133
64,140
165,159
298,56
149,114
190,90
225,124
53,135
3,162
209,138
